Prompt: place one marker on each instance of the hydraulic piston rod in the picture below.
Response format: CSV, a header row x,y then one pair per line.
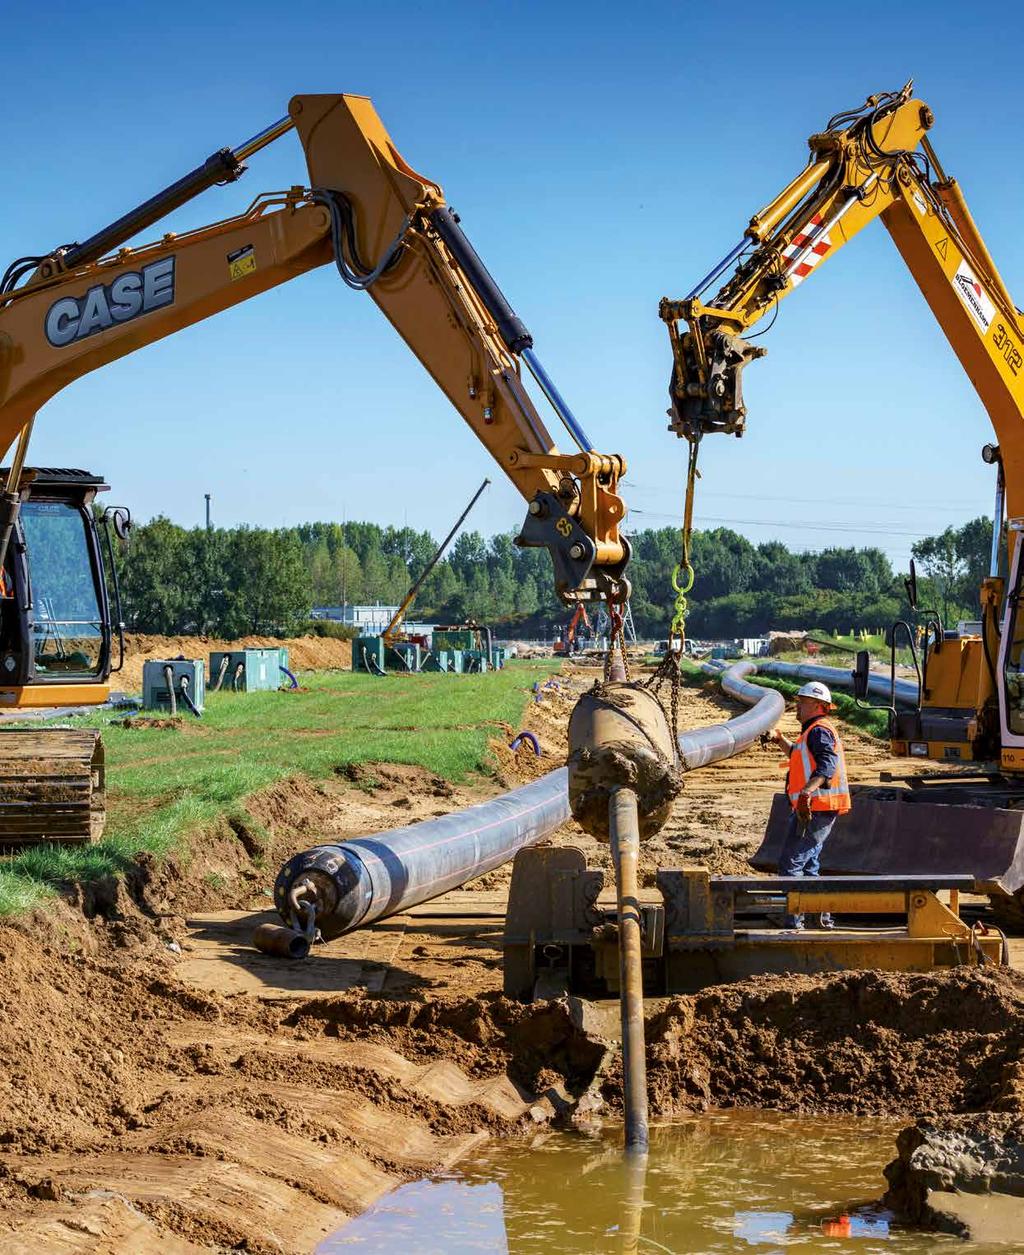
x,y
224,166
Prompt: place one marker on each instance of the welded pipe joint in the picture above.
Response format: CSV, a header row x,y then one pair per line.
x,y
619,737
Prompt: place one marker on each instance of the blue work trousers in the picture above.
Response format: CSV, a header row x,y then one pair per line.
x,y
801,852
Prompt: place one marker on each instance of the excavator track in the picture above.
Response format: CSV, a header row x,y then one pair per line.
x,y
52,787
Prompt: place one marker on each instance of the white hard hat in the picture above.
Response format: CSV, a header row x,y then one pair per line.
x,y
817,690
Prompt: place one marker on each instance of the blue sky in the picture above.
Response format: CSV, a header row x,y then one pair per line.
x,y
601,156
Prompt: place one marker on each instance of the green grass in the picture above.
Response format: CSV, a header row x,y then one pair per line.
x,y
165,785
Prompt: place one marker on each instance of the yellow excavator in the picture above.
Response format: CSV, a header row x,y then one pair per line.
x,y
74,308
877,161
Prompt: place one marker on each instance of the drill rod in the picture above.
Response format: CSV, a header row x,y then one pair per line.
x,y
624,826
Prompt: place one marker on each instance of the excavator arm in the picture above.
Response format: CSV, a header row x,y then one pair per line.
x,y
875,162
391,234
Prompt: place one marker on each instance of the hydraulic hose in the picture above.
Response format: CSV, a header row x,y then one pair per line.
x,y
185,697
172,700
367,878
222,672
372,665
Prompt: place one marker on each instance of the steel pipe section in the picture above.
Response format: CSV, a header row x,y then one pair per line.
x,y
722,740
367,878
837,677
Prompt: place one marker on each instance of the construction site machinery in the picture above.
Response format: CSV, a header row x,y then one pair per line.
x,y
393,634
567,933
71,309
567,642
698,929
878,162
57,647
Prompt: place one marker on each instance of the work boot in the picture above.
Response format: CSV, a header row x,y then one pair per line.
x,y
824,920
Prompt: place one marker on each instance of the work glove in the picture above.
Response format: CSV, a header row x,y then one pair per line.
x,y
803,806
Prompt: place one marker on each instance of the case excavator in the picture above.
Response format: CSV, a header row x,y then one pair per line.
x,y
71,309
878,162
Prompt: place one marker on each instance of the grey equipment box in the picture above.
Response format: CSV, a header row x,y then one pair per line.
x,y
155,695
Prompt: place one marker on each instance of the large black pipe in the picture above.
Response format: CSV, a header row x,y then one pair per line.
x,y
370,877
838,677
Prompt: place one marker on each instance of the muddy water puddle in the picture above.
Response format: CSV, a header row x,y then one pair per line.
x,y
732,1181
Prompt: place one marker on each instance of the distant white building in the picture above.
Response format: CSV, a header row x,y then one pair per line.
x,y
367,620
373,618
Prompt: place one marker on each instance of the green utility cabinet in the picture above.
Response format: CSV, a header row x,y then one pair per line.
x,y
155,694
405,657
248,670
452,659
454,640
368,653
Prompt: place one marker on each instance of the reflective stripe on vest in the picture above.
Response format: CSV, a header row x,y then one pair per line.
x,y
835,795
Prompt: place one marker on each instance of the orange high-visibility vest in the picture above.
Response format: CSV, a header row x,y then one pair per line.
x,y
835,795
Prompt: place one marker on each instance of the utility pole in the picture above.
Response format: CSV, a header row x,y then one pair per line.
x,y
205,618
344,561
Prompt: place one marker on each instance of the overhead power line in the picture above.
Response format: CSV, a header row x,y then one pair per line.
x,y
941,507
804,525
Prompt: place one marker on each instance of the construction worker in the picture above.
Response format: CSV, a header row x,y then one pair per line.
x,y
816,786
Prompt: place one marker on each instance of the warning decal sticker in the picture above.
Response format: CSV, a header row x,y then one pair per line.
x,y
242,262
974,296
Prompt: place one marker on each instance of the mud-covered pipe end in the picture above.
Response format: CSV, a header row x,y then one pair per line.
x,y
338,885
619,737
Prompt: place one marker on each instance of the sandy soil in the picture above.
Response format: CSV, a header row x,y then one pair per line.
x,y
305,653
167,1088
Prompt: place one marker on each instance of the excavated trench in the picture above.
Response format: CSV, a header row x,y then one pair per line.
x,y
167,1089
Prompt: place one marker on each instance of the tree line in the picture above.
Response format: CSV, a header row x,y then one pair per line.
x,y
234,581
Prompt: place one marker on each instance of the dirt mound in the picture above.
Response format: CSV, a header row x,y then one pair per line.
x,y
782,642
857,1042
305,653
140,723
230,1123
538,1045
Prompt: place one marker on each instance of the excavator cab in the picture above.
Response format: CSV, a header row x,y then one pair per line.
x,y
55,613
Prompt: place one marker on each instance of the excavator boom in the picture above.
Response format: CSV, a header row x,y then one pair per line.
x,y
75,308
391,234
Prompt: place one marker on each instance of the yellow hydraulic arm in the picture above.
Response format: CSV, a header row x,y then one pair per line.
x,y
875,162
390,233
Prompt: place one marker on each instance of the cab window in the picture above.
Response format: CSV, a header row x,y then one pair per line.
x,y
66,622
